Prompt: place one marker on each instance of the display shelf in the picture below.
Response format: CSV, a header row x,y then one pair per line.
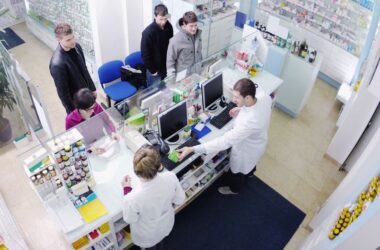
x,y
125,244
92,242
119,225
344,24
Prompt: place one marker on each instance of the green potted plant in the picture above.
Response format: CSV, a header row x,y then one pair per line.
x,y
7,100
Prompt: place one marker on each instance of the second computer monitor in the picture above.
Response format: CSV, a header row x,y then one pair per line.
x,y
212,90
172,120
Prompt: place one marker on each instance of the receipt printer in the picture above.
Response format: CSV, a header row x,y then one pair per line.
x,y
135,140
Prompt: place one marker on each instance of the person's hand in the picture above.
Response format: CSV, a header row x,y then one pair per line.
x,y
234,112
184,152
97,150
115,136
126,182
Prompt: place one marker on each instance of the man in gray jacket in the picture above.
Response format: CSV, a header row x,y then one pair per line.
x,y
185,47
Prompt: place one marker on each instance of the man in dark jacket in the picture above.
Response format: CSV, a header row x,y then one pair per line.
x,y
68,67
154,44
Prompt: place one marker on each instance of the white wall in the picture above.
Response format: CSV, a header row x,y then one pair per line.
x,y
139,15
356,181
109,30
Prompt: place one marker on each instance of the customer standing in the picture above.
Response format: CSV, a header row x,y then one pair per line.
x,y
185,47
154,45
248,137
68,67
148,208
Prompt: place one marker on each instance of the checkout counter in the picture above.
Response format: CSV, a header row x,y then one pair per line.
x,y
96,221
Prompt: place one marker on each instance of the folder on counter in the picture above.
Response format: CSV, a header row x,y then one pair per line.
x,y
92,210
200,134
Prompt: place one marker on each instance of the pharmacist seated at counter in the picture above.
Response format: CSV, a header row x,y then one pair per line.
x,y
248,137
86,107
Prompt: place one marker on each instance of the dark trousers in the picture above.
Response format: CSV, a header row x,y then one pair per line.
x,y
235,181
159,246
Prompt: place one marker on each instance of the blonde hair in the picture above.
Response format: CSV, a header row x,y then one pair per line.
x,y
146,162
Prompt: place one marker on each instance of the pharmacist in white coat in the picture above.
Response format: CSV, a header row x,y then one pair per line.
x,y
248,137
148,208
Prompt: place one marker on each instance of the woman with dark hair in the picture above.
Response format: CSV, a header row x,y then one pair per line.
x,y
85,107
185,47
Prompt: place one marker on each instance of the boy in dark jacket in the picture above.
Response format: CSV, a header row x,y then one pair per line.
x,y
68,67
154,45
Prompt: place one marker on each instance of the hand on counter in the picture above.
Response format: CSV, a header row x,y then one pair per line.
x,y
126,182
115,136
96,150
184,152
234,112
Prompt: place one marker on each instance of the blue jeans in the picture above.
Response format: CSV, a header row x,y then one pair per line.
x,y
151,79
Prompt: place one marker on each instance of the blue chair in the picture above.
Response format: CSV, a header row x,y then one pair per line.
x,y
118,91
134,59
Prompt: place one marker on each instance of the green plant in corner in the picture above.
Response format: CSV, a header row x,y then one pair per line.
x,y
7,100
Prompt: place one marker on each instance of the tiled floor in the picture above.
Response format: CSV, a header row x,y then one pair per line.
x,y
294,163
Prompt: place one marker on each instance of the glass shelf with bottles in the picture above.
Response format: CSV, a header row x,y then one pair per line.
x,y
343,23
75,12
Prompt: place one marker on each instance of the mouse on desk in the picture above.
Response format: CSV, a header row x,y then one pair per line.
x,y
164,147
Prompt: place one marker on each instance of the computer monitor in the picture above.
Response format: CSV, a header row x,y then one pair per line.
x,y
151,100
172,121
212,90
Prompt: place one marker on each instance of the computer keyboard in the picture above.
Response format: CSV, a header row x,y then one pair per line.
x,y
224,117
168,164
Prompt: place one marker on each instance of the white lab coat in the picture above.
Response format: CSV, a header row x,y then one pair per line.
x,y
248,137
149,211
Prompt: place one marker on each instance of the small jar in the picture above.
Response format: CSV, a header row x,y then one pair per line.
x,y
59,160
46,174
62,152
69,154
77,166
34,180
68,183
67,148
75,150
78,178
65,158
79,143
85,163
70,172
72,160
61,166
88,176
83,157
52,171
65,177
67,164
86,169
81,148
77,156
82,174
58,183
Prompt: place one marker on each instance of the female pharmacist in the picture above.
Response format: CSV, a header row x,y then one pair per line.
x,y
86,107
148,208
185,47
248,137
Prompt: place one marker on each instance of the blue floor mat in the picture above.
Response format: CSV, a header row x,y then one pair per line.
x,y
10,39
257,218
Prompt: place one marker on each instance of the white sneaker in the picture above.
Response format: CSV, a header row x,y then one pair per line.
x,y
226,190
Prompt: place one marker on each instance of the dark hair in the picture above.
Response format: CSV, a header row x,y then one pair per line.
x,y
62,29
84,99
245,87
160,10
188,17
146,162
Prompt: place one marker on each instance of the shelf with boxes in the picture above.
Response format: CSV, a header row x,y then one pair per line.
x,y
99,238
345,24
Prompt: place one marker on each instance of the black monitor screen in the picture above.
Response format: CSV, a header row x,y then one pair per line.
x,y
172,120
212,90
